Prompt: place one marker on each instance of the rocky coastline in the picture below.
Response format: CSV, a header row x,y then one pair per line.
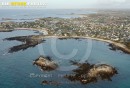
x,y
33,40
27,42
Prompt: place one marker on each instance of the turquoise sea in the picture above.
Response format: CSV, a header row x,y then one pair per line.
x,y
17,69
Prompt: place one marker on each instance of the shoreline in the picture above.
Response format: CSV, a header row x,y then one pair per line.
x,y
30,29
118,45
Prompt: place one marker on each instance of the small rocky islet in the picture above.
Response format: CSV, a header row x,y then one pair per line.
x,y
85,73
45,63
45,82
88,73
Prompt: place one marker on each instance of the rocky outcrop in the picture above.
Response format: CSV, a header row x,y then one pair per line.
x,y
87,73
45,82
123,49
45,63
6,30
27,42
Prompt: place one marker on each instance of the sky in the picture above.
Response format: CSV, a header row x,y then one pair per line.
x,y
80,4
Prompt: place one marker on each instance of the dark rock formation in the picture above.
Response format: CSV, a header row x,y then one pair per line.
x,y
87,73
114,48
6,30
28,41
50,83
69,37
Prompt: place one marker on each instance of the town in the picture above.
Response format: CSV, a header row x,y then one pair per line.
x,y
111,25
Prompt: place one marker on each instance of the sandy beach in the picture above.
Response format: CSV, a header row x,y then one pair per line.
x,y
121,46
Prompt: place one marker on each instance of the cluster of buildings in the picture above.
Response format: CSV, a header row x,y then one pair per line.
x,y
106,26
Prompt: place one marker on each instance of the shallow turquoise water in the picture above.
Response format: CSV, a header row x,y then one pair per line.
x,y
15,68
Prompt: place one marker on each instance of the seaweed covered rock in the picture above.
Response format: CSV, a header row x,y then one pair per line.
x,y
87,73
27,42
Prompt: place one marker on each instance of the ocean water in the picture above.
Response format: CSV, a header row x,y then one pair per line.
x,y
32,14
16,68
